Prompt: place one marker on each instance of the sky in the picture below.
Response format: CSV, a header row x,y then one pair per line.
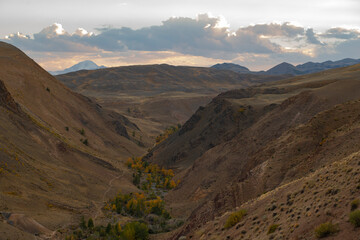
x,y
257,34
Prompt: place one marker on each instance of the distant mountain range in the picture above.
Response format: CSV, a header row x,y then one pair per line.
x,y
287,68
280,69
84,65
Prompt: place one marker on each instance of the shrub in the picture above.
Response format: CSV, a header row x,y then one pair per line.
x,y
83,223
326,229
354,204
273,228
82,131
90,223
234,218
108,228
85,142
354,218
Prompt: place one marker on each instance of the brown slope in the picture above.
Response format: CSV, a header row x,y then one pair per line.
x,y
204,182
46,172
51,104
226,116
297,208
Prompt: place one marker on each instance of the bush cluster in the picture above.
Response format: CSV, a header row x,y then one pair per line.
x,y
234,218
168,131
153,175
326,229
137,205
129,231
354,204
354,218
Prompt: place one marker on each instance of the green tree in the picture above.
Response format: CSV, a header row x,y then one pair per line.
x,y
83,223
90,223
136,231
108,228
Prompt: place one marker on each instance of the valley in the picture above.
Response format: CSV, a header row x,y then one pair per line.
x,y
174,152
157,96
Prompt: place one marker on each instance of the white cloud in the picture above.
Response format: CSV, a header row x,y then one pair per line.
x,y
82,32
53,31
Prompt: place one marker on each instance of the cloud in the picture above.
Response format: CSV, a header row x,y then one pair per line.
x,y
201,36
203,39
204,36
311,38
53,39
275,29
350,49
341,33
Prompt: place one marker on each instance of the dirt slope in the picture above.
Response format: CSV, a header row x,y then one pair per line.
x,y
47,170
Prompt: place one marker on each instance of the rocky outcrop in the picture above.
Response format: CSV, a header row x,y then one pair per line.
x,y
6,99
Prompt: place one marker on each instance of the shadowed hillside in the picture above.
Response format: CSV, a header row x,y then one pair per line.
x,y
250,141
58,150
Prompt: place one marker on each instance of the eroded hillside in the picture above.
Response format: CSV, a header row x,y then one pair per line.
x,y
271,135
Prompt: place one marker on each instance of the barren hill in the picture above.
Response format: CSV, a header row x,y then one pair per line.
x,y
58,149
150,79
250,141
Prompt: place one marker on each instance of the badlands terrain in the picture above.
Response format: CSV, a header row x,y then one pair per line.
x,y
253,156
